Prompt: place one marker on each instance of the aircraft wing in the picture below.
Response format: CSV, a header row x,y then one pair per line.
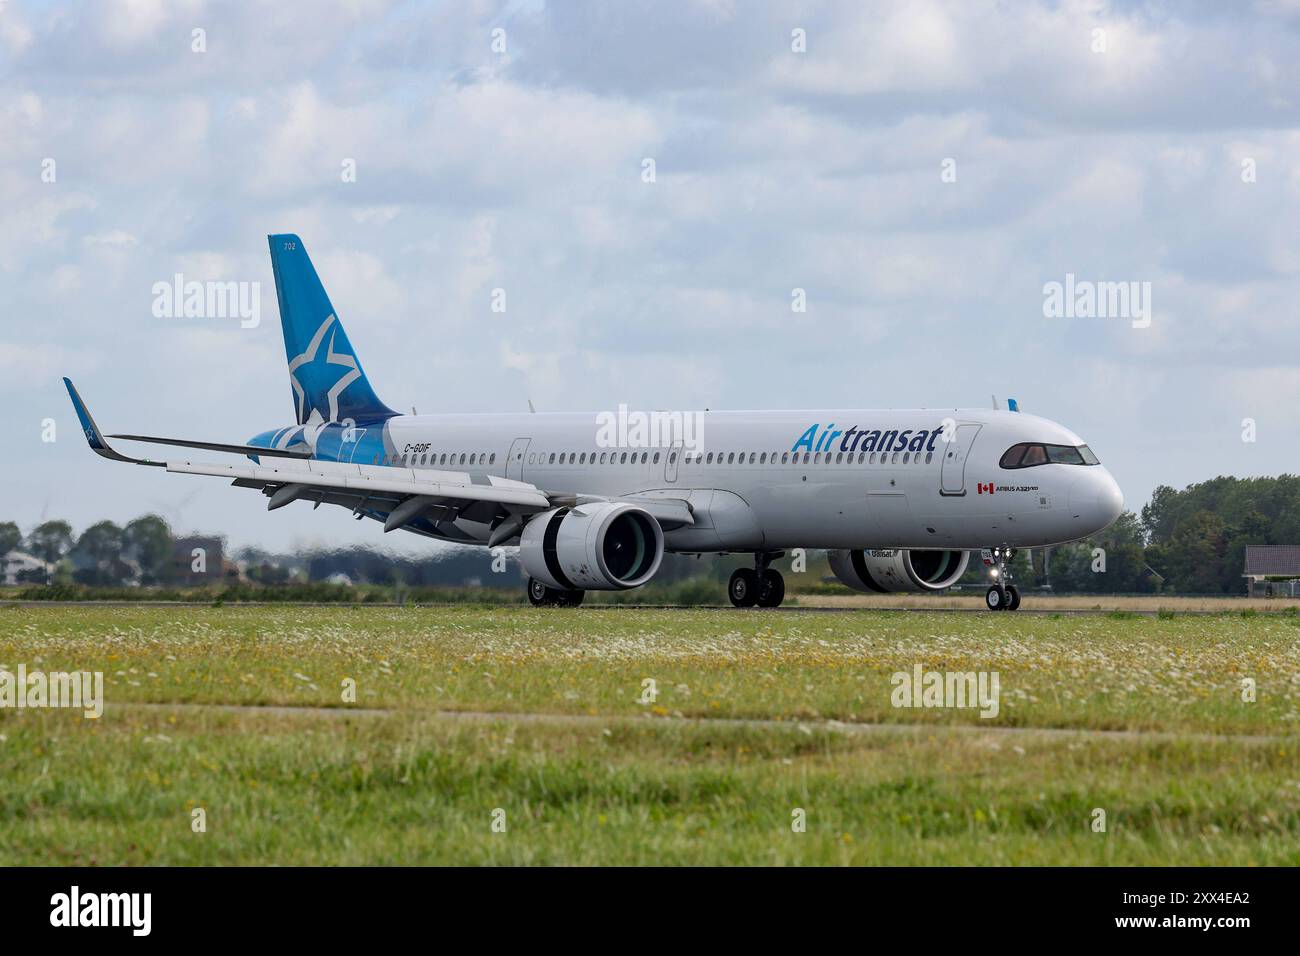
x,y
399,495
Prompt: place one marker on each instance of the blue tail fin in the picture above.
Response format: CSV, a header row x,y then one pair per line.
x,y
328,382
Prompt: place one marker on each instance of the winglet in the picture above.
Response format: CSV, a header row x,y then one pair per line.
x,y
94,437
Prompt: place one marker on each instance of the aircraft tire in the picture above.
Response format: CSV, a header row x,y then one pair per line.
x,y
743,587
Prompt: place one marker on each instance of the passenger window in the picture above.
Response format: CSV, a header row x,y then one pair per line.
x,y
462,458
839,458
906,456
672,457
785,457
762,459
929,457
493,459
656,459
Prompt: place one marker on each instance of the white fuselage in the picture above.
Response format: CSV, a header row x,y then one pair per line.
x,y
942,487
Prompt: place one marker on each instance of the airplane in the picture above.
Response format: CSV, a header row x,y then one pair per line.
x,y
899,498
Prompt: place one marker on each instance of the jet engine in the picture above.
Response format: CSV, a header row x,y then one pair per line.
x,y
605,546
889,571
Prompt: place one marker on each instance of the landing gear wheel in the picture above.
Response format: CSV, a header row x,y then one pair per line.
x,y
540,595
995,598
743,587
771,589
1013,597
571,598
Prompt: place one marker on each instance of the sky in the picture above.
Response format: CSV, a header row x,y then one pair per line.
x,y
921,170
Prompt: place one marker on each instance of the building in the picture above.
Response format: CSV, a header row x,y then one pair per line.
x,y
201,559
19,567
1272,570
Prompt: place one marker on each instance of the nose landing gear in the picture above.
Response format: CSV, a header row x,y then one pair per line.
x,y
1003,596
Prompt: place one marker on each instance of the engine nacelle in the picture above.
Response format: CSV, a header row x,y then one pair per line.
x,y
606,546
889,571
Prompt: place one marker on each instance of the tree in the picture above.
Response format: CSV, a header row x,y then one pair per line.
x,y
51,540
10,537
98,555
148,541
1195,555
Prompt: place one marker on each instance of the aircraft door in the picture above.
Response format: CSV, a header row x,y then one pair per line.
x,y
952,473
671,462
515,459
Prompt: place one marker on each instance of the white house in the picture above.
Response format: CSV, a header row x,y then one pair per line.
x,y
15,563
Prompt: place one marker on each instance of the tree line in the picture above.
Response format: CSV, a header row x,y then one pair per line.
x,y
1191,541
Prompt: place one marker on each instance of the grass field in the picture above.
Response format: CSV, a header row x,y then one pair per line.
x,y
757,716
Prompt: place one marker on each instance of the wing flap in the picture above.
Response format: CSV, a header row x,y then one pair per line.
x,y
218,446
399,481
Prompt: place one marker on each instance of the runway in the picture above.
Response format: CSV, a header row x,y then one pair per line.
x,y
1023,611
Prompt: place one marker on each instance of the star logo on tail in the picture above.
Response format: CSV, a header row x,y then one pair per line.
x,y
317,377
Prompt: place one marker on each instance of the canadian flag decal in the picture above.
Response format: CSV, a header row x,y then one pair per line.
x,y
985,488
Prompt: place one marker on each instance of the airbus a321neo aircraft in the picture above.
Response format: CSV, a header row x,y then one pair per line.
x,y
899,497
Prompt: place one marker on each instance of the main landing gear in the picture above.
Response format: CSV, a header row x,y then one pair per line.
x,y
759,586
540,595
1002,596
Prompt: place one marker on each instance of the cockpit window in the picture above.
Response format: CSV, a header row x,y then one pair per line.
x,y
1034,455
1026,455
1064,455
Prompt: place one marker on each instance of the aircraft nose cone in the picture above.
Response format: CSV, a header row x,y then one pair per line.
x,y
1110,501
1095,501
